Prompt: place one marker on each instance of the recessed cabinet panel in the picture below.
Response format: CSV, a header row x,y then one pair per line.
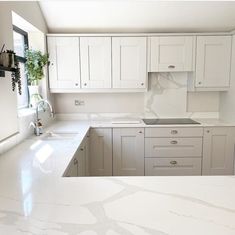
x,y
101,152
128,151
213,61
64,70
173,147
172,166
129,62
218,151
95,62
171,54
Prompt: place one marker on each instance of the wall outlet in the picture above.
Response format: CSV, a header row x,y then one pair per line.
x,y
79,102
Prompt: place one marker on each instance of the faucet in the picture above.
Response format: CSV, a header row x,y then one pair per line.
x,y
38,124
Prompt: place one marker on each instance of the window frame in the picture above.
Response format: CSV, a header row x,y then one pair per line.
x,y
23,59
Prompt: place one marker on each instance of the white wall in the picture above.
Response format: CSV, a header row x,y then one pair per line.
x,y
227,99
10,122
167,97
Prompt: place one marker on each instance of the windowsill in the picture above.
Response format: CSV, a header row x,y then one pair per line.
x,y
26,112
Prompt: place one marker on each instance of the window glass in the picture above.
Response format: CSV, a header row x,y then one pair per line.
x,y
20,44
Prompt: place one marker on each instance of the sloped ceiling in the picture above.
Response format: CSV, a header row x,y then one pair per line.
x,y
138,16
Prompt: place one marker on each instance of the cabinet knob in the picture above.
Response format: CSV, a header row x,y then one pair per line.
x,y
208,131
76,84
85,84
142,84
174,142
75,161
171,66
174,132
81,149
140,132
173,162
199,83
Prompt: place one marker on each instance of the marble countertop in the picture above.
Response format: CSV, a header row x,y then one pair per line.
x,y
36,199
138,122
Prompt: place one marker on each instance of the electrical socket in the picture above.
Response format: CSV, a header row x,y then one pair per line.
x,y
79,102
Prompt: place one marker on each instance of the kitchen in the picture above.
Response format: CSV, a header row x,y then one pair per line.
x,y
130,125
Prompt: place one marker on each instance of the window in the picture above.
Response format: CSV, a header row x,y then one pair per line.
x,y
20,38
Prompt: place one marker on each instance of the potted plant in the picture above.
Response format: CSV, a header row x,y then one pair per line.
x,y
8,59
35,63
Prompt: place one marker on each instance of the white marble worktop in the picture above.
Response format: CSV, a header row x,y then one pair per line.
x,y
36,199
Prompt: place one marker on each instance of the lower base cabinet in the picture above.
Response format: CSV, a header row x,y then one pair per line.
x,y
101,152
79,165
218,151
128,151
172,166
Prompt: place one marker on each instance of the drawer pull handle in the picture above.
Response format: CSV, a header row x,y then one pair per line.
x,y
171,66
174,142
173,162
174,132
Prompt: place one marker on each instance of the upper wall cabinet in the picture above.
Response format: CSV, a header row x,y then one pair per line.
x,y
129,62
95,62
171,54
213,61
64,70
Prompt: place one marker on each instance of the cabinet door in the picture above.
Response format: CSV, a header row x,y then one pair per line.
x,y
81,158
213,61
129,62
218,151
101,152
87,156
64,70
128,151
95,62
171,54
73,168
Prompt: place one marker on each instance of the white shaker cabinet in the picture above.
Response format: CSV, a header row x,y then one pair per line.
x,y
171,54
79,165
95,62
128,151
129,62
72,170
218,151
83,158
101,152
64,70
213,61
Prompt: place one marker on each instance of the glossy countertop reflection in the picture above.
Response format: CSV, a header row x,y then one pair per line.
x,y
36,199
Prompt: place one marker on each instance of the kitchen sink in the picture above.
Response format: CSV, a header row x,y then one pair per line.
x,y
58,135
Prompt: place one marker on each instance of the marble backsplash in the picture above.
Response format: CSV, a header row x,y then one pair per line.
x,y
167,95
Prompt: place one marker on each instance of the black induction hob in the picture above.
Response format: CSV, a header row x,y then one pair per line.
x,y
170,121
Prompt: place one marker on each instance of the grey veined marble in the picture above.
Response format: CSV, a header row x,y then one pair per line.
x,y
36,200
167,95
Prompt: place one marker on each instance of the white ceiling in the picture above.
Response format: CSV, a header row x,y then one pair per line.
x,y
138,16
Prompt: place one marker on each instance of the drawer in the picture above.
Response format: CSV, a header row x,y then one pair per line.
x,y
173,147
174,132
172,166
